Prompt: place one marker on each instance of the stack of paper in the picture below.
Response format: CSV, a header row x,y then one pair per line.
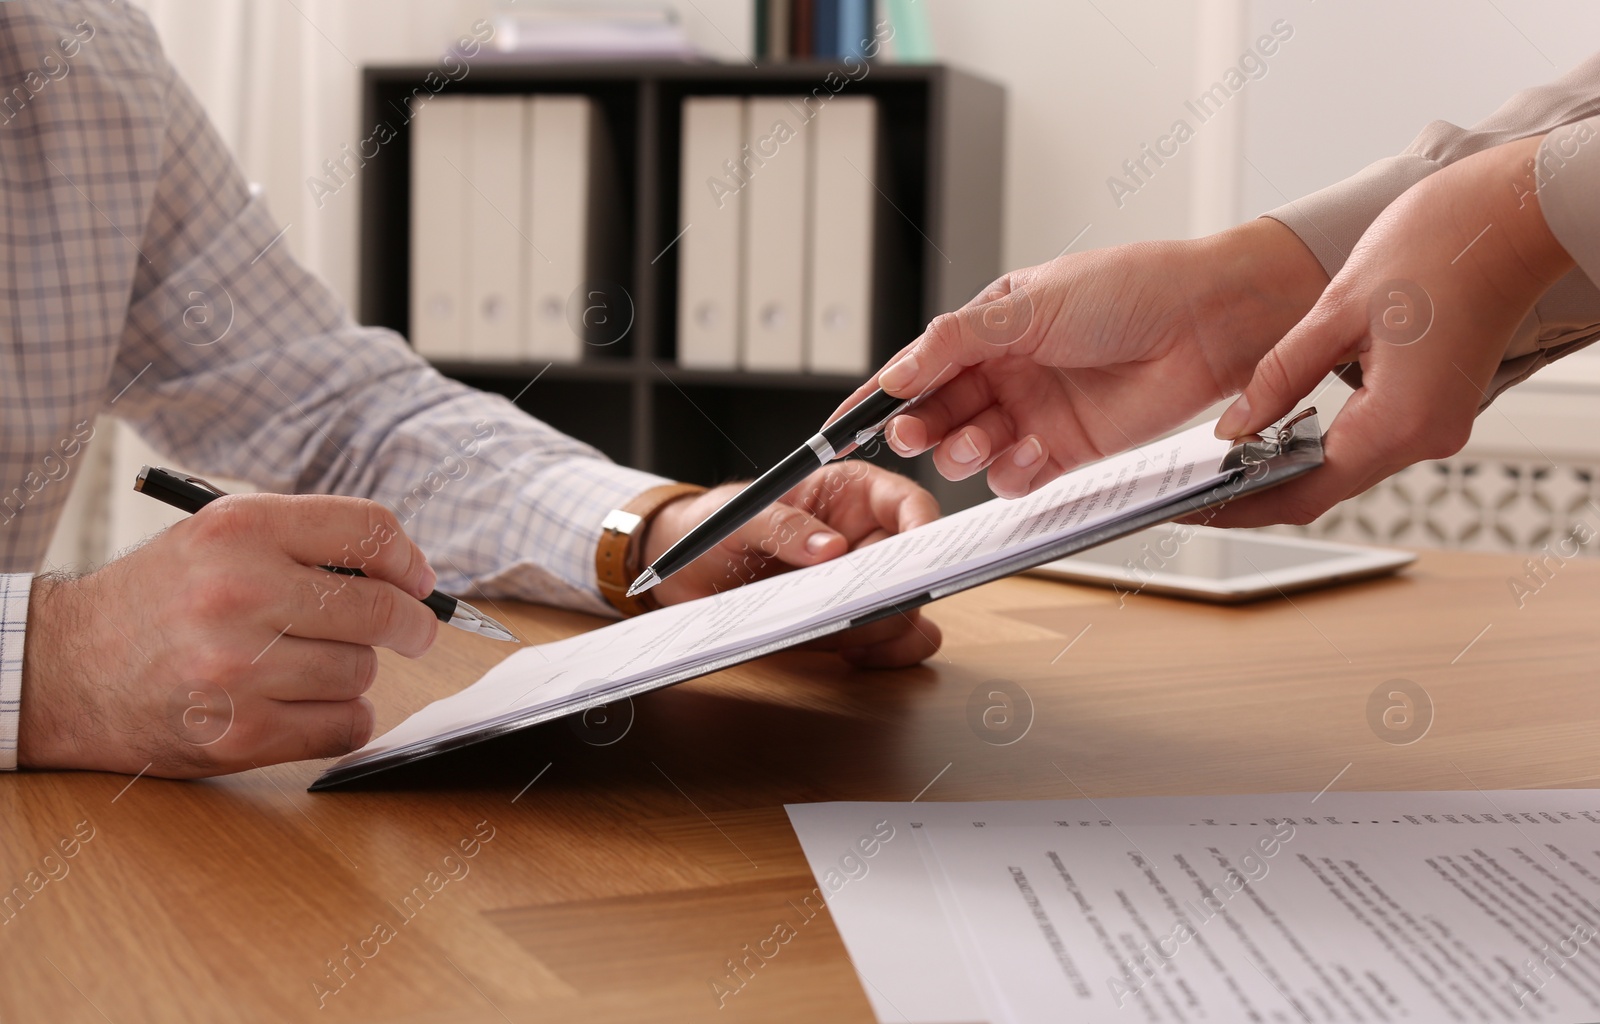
x,y
1463,906
593,31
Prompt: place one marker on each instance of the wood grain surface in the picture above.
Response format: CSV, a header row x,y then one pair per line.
x,y
617,886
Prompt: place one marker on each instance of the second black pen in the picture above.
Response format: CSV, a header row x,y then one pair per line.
x,y
858,425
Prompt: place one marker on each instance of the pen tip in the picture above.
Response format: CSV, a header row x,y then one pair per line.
x,y
498,632
474,621
646,580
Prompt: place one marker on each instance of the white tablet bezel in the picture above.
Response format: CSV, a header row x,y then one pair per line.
x,y
1344,562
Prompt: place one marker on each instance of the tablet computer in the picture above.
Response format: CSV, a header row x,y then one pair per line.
x,y
1224,566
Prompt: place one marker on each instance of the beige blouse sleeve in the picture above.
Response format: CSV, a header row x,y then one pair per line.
x,y
1567,318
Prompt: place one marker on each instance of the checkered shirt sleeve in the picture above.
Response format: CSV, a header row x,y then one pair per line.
x,y
142,276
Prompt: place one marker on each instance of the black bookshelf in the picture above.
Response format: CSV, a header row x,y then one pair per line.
x,y
941,146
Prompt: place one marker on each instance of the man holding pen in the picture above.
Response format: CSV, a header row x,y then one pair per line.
x,y
121,212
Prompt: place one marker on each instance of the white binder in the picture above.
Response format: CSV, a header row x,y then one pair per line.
x,y
711,217
844,148
775,235
495,242
438,209
557,201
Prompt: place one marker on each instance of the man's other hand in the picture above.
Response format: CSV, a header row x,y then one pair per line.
x,y
839,508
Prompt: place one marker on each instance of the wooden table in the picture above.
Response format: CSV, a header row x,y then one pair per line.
x,y
617,885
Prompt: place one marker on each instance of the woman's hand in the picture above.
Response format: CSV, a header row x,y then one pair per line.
x,y
1427,304
839,508
1061,364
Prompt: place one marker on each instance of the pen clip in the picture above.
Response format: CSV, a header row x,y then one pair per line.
x,y
207,484
197,481
866,434
164,479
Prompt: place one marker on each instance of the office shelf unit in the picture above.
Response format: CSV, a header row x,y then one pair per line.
x,y
937,242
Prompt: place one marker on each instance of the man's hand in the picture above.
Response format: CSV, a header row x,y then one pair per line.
x,y
840,507
1427,303
1061,364
218,645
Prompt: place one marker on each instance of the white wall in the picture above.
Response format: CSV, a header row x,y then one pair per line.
x,y
1087,84
1366,75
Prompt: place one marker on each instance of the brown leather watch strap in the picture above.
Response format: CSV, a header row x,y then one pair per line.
x,y
618,557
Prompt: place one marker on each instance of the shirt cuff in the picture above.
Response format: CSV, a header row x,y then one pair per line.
x,y
1568,174
14,590
575,494
1332,220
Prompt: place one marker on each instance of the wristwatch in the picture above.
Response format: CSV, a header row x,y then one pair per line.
x,y
619,557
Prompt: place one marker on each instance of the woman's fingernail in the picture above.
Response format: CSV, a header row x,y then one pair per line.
x,y
818,541
430,579
1027,453
891,433
899,373
964,450
897,439
1231,425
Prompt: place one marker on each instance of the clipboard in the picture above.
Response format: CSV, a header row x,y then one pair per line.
x,y
1253,464
1258,462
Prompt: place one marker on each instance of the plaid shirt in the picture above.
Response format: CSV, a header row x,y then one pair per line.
x,y
141,275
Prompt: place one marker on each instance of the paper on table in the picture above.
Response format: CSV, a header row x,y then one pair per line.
x,y
1413,906
809,602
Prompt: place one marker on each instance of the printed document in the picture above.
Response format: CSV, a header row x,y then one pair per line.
x,y
1453,906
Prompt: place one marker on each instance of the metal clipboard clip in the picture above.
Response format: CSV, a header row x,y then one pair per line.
x,y
1253,449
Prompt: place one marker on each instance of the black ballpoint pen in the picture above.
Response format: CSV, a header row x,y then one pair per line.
x,y
860,424
191,494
